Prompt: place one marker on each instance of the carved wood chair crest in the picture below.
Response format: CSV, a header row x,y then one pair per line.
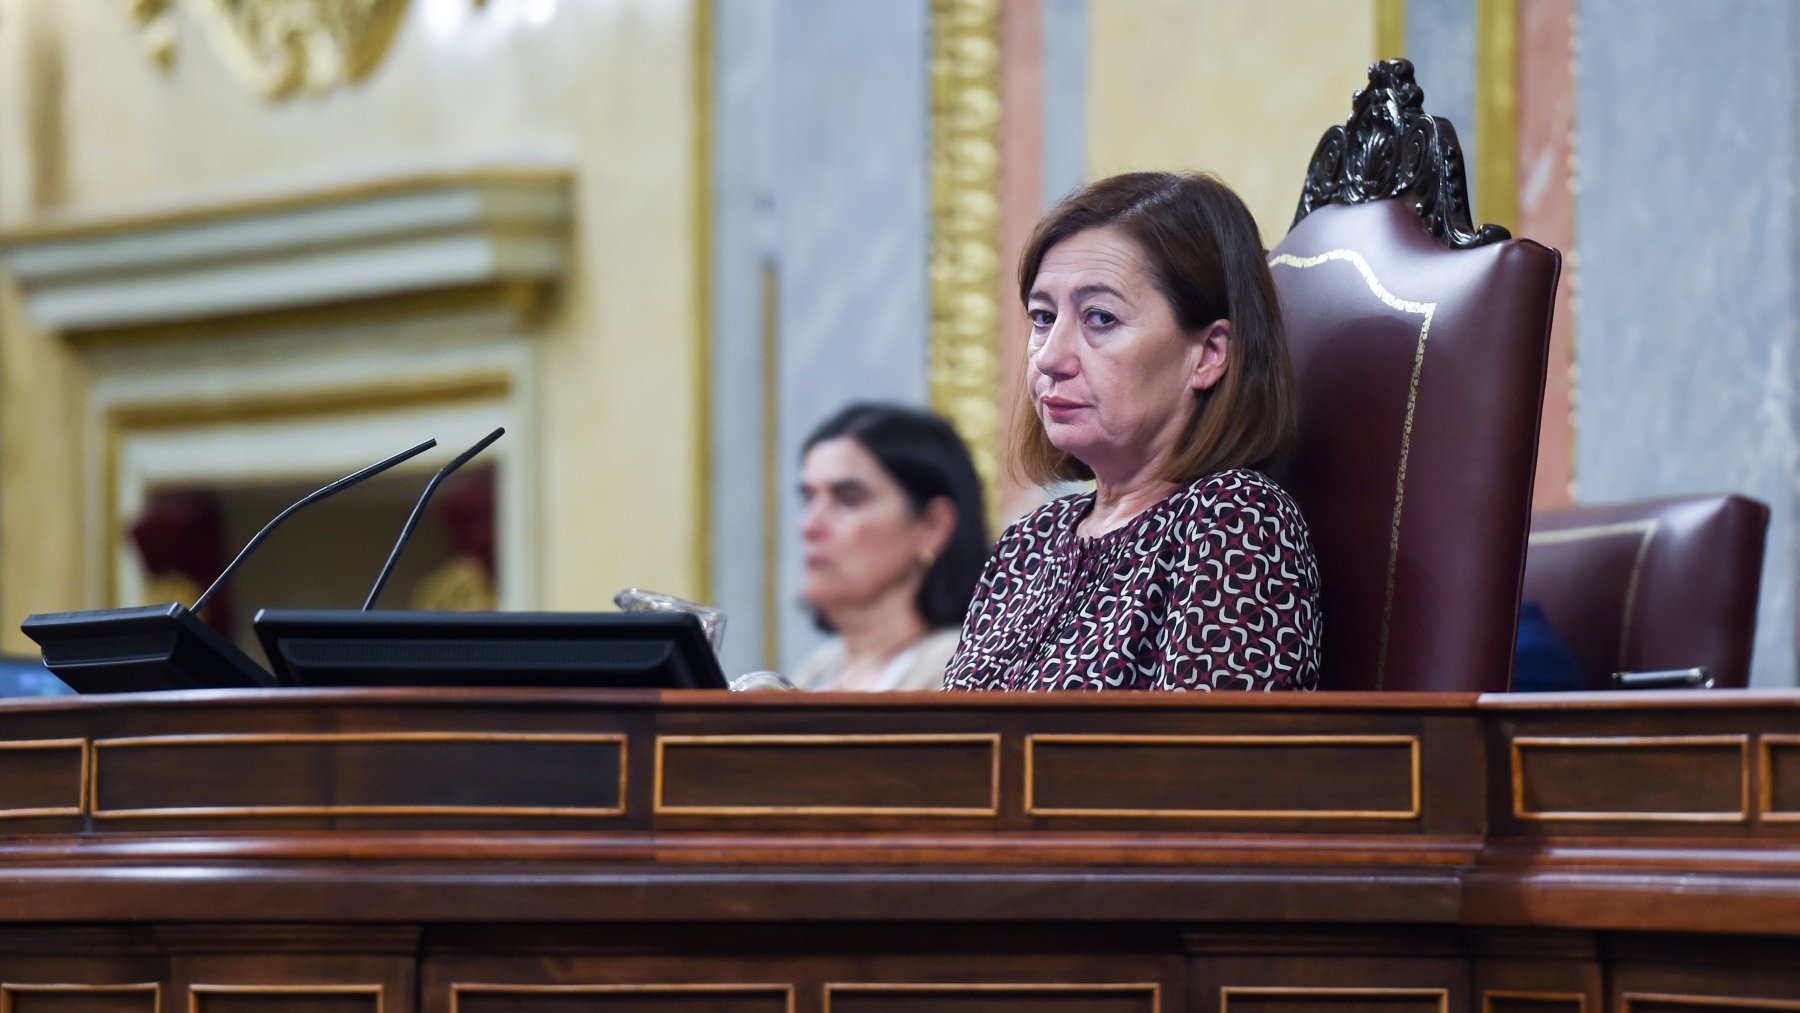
x,y
1390,147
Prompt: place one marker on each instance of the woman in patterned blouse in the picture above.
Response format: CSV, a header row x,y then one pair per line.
x,y
1156,367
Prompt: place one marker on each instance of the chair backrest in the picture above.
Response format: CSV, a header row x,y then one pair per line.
x,y
1419,346
1652,585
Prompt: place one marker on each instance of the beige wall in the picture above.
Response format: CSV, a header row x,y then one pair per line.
x,y
1241,88
90,129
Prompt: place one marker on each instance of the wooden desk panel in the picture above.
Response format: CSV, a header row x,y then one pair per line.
x,y
561,851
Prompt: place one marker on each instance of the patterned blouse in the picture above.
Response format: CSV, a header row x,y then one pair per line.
x,y
1215,587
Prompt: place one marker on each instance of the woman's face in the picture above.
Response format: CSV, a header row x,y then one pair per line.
x,y
861,538
1112,375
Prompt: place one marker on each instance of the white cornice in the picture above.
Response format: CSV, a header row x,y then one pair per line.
x,y
380,239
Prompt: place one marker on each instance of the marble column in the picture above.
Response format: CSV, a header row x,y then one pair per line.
x,y
1687,226
821,232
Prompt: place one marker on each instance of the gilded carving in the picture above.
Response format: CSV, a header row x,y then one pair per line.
x,y
965,211
279,47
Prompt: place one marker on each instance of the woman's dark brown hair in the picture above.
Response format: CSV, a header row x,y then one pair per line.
x,y
925,457
1207,260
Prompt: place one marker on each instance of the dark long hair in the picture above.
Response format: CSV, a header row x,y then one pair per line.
x,y
926,458
1207,260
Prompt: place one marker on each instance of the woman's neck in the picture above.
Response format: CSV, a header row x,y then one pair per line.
x,y
875,633
1118,500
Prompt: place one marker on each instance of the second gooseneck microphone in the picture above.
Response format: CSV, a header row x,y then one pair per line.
x,y
338,486
412,520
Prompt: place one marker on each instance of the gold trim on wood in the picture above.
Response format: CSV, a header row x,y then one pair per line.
x,y
1274,992
8,988
81,792
1715,1001
1412,741
234,739
1765,768
1426,311
195,991
1520,744
1487,998
999,988
990,738
459,988
1645,529
965,228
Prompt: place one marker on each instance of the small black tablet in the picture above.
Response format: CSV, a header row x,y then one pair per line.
x,y
323,647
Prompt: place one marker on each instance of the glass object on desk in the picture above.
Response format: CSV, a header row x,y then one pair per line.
x,y
712,620
760,681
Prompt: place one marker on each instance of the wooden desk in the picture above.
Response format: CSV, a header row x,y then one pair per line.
x,y
565,852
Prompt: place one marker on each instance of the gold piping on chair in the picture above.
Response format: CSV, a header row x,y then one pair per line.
x,y
1426,310
1646,529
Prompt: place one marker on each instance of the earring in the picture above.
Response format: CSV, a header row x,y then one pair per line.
x,y
926,558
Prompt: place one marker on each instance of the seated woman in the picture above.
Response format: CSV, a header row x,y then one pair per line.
x,y
895,538
1157,367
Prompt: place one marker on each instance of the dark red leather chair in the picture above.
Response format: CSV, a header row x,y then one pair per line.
x,y
1419,346
1656,585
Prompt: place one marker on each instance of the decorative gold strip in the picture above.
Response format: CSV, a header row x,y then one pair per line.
x,y
1390,29
965,233
1588,533
702,210
81,795
8,989
1706,1001
460,988
1251,992
1411,741
235,739
771,450
1426,310
1151,988
1580,1001
1765,763
1646,529
991,739
195,991
1497,111
1519,745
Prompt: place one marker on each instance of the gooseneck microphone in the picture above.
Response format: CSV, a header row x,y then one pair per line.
x,y
154,647
418,510
338,486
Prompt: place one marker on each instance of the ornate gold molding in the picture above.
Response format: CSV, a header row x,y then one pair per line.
x,y
279,47
965,233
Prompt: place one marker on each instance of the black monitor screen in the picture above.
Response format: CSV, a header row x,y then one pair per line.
x,y
654,650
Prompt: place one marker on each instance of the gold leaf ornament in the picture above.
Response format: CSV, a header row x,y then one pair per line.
x,y
279,47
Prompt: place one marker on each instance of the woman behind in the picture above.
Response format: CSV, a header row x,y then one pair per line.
x,y
893,530
1157,367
